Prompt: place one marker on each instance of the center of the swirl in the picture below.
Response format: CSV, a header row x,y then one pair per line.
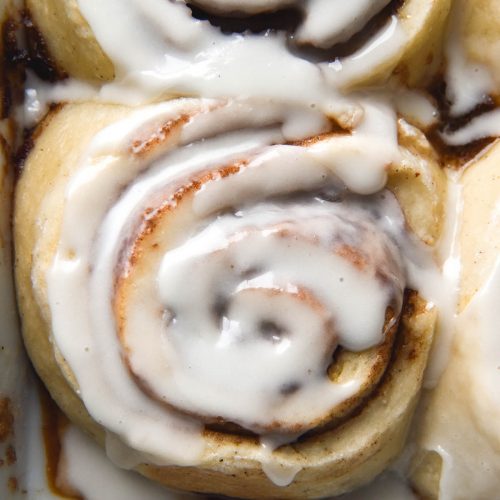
x,y
252,310
274,318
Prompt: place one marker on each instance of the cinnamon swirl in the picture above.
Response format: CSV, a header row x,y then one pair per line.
x,y
231,301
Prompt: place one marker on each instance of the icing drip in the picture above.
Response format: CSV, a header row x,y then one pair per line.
x,y
278,473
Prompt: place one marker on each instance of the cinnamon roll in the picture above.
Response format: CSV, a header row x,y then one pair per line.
x,y
458,440
225,294
329,44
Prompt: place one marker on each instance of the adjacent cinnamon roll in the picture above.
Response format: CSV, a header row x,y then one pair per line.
x,y
62,43
330,44
458,436
480,27
223,291
472,69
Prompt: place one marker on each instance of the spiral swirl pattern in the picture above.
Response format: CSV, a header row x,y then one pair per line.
x,y
211,270
227,260
238,313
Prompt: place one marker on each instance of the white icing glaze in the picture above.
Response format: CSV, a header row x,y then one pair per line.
x,y
113,187
416,107
279,473
173,54
187,56
38,95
